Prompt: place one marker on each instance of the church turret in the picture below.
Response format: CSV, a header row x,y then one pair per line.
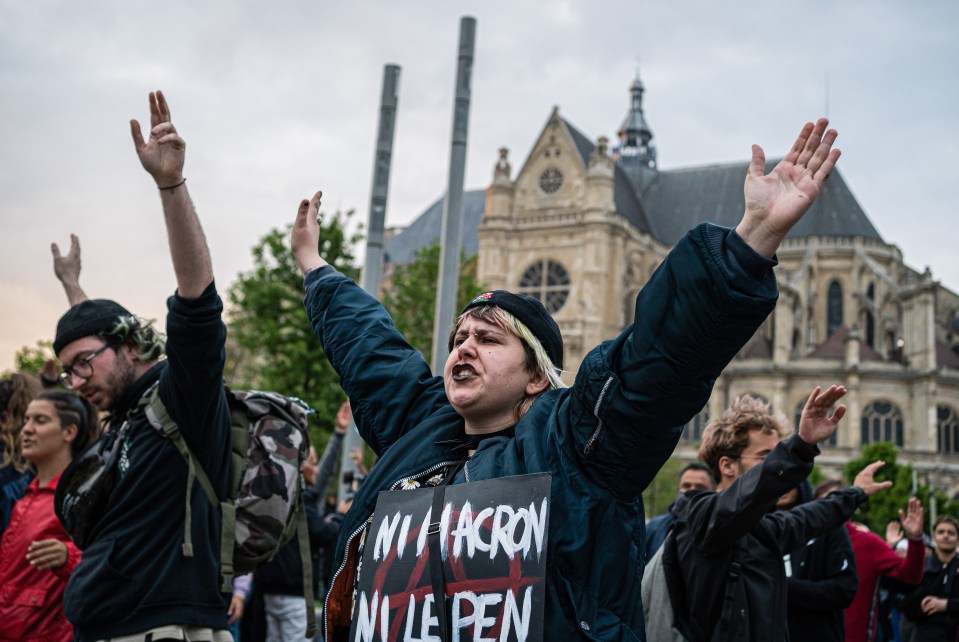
x,y
635,153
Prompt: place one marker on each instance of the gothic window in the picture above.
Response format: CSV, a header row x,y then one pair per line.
x,y
870,330
833,308
947,425
832,441
870,319
693,430
548,281
882,421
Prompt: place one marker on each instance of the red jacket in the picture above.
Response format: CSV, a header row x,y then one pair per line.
x,y
875,558
31,600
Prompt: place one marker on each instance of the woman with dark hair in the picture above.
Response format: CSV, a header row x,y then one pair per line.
x,y
16,393
36,554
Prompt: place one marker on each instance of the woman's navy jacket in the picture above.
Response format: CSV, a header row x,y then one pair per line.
x,y
603,440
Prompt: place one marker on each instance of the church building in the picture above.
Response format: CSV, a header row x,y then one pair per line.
x,y
582,225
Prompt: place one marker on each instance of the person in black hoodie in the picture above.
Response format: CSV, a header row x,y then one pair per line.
x,y
730,543
932,607
821,579
144,575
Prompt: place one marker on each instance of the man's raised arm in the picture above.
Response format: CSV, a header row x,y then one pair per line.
x,y
775,202
162,156
67,270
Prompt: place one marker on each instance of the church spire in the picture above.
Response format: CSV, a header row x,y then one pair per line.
x,y
634,134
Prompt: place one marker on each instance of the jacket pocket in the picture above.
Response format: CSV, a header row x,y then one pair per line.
x,y
588,617
96,590
21,609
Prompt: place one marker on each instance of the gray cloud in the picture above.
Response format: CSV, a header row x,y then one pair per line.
x,y
278,100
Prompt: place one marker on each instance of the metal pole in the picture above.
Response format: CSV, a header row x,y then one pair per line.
x,y
452,231
373,263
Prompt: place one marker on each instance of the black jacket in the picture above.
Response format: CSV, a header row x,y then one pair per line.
x,y
938,580
134,575
821,582
711,526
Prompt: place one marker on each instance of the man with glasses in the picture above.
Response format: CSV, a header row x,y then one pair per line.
x,y
138,580
730,543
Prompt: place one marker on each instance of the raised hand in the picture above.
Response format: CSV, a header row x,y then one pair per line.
x,y
164,152
775,202
911,520
866,480
67,270
893,533
305,236
816,424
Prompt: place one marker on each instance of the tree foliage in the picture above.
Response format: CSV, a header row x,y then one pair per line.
x,y
410,297
884,506
662,490
31,359
271,343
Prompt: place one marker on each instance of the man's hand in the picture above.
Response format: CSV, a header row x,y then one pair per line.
x,y
164,153
776,202
343,418
816,424
893,533
67,270
866,480
47,554
235,612
931,605
911,520
305,237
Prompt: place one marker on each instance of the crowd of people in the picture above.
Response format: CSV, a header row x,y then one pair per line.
x,y
748,550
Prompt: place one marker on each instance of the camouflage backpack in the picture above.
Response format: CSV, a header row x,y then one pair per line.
x,y
264,508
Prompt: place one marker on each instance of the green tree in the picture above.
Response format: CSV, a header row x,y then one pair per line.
x,y
31,359
662,490
271,341
410,296
884,506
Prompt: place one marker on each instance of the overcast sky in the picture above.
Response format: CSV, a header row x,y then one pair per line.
x,y
276,100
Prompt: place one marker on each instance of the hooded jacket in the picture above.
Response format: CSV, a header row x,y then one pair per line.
x,y
134,575
821,582
602,440
714,528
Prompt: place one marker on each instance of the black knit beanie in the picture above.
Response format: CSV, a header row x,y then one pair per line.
x,y
534,316
89,318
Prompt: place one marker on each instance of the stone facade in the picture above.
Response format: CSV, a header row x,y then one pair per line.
x,y
583,225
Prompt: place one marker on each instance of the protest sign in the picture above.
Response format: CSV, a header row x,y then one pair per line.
x,y
493,537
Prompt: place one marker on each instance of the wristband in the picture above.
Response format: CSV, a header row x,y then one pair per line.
x,y
164,189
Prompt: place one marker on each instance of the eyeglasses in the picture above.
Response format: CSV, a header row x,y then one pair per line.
x,y
82,368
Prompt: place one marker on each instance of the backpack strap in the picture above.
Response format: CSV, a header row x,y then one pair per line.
x,y
728,615
306,559
675,585
160,419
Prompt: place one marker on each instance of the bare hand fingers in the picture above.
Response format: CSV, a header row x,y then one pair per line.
x,y
315,203
55,250
162,107
800,143
154,110
138,142
757,165
822,173
74,246
873,468
839,413
813,142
